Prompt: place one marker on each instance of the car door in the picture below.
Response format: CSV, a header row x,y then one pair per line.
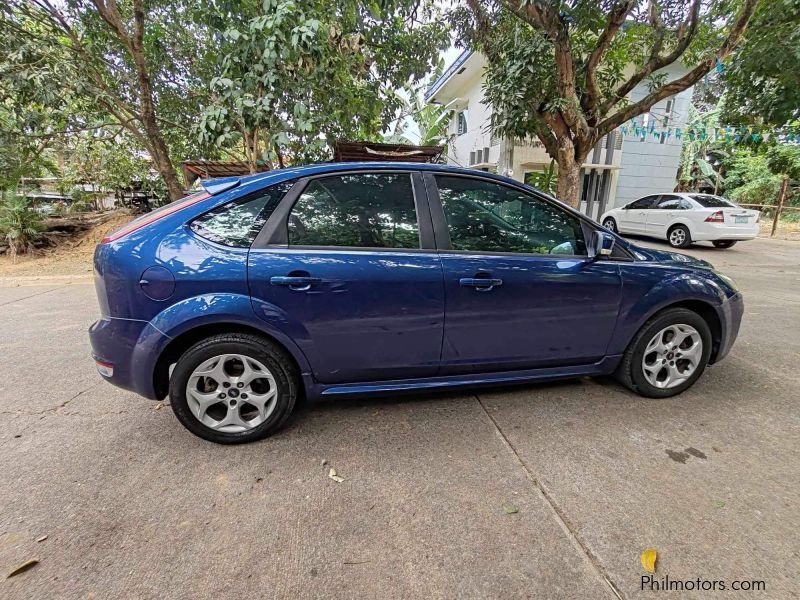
x,y
633,218
347,268
662,215
520,290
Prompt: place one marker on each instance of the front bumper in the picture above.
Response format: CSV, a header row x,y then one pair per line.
x,y
730,313
131,347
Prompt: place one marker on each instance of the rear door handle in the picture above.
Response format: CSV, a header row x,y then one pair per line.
x,y
300,284
481,284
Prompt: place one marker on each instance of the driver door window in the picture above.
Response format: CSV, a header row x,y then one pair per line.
x,y
483,216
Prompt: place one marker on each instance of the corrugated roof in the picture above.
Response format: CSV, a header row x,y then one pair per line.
x,y
372,152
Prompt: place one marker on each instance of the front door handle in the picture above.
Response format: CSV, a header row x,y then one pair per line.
x,y
481,284
299,284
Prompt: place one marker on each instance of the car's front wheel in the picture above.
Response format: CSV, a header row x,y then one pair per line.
x,y
679,237
610,224
233,388
723,243
667,355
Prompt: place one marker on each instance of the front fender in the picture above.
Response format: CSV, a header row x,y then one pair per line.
x,y
641,299
197,311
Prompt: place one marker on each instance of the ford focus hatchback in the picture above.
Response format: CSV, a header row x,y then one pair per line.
x,y
348,279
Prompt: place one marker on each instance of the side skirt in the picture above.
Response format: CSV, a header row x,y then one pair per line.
x,y
604,366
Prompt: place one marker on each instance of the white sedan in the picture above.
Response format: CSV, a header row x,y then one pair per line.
x,y
683,218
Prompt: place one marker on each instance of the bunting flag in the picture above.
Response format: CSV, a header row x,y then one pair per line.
x,y
649,128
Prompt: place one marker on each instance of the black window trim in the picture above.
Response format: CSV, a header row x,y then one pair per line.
x,y
442,232
275,233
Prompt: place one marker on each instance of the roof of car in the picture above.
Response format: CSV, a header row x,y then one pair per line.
x,y
278,175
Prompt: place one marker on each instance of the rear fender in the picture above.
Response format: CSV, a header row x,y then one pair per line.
x,y
209,309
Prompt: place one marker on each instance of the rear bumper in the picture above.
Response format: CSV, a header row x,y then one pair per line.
x,y
708,232
131,348
730,313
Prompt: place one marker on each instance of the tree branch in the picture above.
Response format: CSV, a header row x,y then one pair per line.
x,y
616,18
682,83
686,33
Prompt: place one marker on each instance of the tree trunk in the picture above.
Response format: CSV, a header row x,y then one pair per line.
x,y
569,175
160,153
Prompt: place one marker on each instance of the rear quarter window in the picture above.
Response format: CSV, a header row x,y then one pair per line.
x,y
237,223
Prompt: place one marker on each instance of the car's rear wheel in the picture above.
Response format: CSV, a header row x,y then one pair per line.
x,y
610,224
679,237
723,243
233,388
667,355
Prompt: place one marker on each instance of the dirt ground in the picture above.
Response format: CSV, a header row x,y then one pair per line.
x,y
68,261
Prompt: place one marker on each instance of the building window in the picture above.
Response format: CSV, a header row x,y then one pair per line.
x,y
486,155
471,158
480,156
461,121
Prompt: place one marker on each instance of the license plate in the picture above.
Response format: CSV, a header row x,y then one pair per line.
x,y
740,219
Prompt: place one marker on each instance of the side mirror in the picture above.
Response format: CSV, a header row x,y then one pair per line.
x,y
601,244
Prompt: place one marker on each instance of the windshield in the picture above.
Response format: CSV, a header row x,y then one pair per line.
x,y
709,201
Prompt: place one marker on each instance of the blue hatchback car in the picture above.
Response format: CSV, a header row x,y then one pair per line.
x,y
347,279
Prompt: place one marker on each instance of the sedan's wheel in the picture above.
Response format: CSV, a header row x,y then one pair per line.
x,y
667,355
679,237
233,388
723,243
610,224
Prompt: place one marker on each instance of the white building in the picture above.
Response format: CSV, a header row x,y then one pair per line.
x,y
619,170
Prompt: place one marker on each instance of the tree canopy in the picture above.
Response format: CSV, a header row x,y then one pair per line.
x,y
254,79
762,81
563,71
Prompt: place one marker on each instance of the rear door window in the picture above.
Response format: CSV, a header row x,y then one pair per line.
x,y
359,210
237,223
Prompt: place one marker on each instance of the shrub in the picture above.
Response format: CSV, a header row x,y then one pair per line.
x,y
20,225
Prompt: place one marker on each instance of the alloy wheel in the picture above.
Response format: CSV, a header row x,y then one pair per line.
x,y
677,237
672,356
231,393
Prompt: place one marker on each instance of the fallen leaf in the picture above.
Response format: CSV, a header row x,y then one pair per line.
x,y
41,539
648,559
510,510
719,504
23,567
159,406
332,474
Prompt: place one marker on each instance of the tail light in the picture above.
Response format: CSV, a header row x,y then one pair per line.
x,y
717,217
154,216
758,217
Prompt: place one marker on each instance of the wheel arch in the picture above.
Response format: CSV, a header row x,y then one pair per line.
x,y
681,221
186,339
705,310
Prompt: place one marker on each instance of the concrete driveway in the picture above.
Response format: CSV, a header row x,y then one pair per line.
x,y
545,491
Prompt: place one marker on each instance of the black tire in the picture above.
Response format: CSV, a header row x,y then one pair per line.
x,y
263,350
610,224
679,241
723,243
630,372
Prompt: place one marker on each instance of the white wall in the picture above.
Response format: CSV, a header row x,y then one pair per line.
x,y
650,167
477,135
